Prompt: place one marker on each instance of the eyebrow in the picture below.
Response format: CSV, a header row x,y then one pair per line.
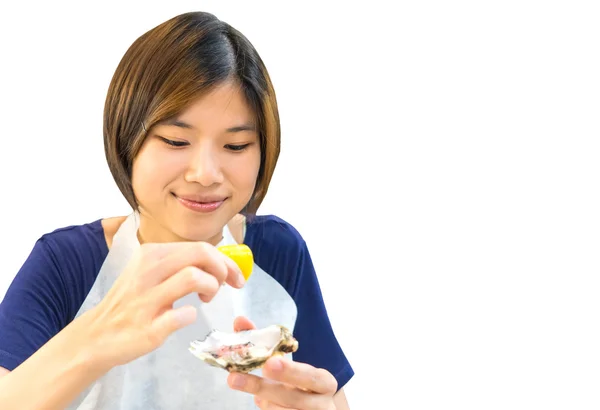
x,y
239,128
179,124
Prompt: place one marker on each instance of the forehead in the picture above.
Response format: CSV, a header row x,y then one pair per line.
x,y
223,106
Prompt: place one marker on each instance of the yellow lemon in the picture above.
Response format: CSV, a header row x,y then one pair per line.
x,y
241,255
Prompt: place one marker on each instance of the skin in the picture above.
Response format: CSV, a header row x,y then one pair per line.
x,y
219,156
134,318
288,385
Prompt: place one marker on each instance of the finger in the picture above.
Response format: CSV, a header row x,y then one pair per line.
x,y
234,274
188,280
267,405
199,254
170,321
273,392
242,323
301,375
196,254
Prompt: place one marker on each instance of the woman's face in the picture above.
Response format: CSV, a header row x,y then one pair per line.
x,y
196,172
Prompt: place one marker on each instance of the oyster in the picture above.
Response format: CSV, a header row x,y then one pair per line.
x,y
246,350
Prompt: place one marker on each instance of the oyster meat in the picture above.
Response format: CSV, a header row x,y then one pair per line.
x,y
246,350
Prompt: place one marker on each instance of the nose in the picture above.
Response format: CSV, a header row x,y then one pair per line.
x,y
204,167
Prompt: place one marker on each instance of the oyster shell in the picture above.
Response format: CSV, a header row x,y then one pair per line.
x,y
246,350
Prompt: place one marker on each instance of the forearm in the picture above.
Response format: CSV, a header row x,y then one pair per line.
x,y
55,375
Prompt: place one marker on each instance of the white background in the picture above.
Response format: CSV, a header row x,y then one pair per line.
x,y
441,159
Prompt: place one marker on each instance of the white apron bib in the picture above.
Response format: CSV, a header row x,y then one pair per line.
x,y
171,378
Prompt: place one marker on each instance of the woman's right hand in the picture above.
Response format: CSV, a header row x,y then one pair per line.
x,y
137,315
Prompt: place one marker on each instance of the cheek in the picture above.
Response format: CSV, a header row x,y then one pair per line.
x,y
151,172
245,172
140,177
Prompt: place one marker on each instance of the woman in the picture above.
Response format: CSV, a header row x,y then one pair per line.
x,y
101,314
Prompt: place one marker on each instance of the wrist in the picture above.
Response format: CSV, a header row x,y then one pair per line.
x,y
91,355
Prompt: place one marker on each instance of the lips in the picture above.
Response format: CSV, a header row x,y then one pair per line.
x,y
201,203
202,199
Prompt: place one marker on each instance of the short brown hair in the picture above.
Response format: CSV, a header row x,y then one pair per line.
x,y
169,67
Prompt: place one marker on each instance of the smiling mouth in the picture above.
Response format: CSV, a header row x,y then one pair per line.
x,y
201,204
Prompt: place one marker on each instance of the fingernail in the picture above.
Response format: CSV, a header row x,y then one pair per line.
x,y
239,381
276,365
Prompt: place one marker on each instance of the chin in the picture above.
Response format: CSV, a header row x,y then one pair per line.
x,y
199,235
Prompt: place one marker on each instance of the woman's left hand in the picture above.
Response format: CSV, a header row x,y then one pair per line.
x,y
286,384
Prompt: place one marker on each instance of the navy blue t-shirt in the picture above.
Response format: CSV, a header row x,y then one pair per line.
x,y
54,281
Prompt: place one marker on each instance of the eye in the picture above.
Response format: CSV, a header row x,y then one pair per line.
x,y
236,148
174,143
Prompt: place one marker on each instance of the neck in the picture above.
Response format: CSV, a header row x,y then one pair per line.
x,y
151,231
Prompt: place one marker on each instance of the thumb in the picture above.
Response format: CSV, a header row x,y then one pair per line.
x,y
242,323
172,320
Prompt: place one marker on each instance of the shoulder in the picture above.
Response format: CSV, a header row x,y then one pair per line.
x,y
76,250
274,231
71,255
76,235
84,243
95,237
65,261
279,249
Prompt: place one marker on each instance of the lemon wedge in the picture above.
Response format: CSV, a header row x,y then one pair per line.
x,y
241,255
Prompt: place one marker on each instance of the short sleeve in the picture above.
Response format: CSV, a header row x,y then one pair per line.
x,y
33,309
318,345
